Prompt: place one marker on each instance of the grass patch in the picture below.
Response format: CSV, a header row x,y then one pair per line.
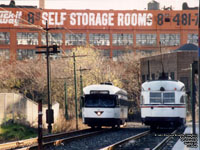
x,y
13,131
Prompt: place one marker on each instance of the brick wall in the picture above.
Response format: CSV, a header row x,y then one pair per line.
x,y
175,64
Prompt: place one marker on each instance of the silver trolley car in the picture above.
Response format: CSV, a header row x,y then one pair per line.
x,y
104,105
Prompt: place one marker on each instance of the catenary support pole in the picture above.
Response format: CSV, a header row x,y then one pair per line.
x,y
193,99
66,104
75,90
48,82
199,70
40,125
81,91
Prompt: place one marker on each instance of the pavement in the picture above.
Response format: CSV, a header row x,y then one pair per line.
x,y
187,139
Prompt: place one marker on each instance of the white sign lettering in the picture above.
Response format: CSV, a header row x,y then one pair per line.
x,y
8,17
92,19
135,19
97,19
54,18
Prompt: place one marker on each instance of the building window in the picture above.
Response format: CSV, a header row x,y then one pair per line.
x,y
143,78
172,75
26,54
165,74
105,53
122,39
75,39
68,52
153,76
53,38
148,77
170,39
193,38
55,56
99,39
5,53
27,38
146,39
117,54
185,81
4,38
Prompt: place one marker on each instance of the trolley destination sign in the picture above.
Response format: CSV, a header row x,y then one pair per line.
x,y
89,19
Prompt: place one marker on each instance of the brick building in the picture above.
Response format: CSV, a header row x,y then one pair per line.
x,y
113,32
176,64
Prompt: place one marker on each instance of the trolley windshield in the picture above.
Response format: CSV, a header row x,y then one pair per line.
x,y
100,100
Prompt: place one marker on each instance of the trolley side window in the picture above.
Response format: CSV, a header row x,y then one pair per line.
x,y
183,99
155,97
168,97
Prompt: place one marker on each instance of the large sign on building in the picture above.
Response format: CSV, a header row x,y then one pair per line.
x,y
99,19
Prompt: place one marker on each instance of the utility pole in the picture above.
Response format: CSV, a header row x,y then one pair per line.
x,y
66,104
75,90
40,125
199,69
49,112
193,97
75,86
81,88
48,84
65,95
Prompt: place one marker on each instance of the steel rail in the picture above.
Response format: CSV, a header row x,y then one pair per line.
x,y
113,146
15,144
31,141
164,141
60,141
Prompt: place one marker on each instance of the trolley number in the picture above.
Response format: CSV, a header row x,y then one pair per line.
x,y
179,19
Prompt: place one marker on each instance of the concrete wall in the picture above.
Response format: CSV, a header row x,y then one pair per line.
x,y
18,108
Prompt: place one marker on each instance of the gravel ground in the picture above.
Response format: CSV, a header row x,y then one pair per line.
x,y
103,139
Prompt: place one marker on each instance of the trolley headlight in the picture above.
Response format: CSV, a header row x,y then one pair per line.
x,y
99,113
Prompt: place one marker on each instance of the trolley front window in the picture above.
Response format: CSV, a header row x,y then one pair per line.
x,y
168,97
155,97
100,100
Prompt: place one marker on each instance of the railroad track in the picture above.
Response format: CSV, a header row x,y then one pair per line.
x,y
54,139
113,146
151,140
164,142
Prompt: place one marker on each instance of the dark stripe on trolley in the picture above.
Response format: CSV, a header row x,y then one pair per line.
x,y
156,106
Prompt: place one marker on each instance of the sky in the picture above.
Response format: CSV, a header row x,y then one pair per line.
x,y
104,4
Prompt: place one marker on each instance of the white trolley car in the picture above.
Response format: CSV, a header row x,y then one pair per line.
x,y
104,105
163,103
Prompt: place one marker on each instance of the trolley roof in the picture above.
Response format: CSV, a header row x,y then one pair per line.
x,y
168,85
102,87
